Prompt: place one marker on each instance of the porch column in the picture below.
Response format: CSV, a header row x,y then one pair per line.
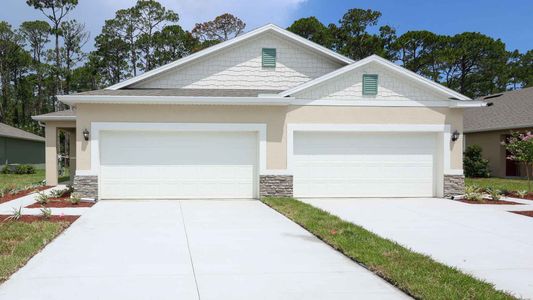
x,y
50,133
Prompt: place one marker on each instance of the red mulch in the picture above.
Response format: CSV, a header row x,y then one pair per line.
x,y
488,201
30,219
61,203
7,198
528,213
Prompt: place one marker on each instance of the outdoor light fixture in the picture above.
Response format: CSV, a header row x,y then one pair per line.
x,y
86,134
455,136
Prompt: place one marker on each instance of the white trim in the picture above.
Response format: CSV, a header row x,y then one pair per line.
x,y
54,118
388,103
453,172
276,172
443,131
183,100
383,62
223,45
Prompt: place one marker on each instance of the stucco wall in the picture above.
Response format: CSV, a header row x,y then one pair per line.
x,y
493,151
276,119
240,67
391,86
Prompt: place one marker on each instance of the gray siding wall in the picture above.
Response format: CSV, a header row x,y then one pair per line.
x,y
17,151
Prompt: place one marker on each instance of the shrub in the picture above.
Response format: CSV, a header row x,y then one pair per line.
x,y
42,198
520,145
521,194
18,169
473,193
75,200
8,190
495,194
16,214
46,212
474,164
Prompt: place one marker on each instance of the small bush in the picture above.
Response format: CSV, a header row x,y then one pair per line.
x,y
46,212
8,190
495,194
15,215
42,198
474,164
521,194
473,193
18,169
75,200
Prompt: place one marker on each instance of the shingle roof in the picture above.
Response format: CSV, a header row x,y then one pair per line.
x,y
510,110
12,132
181,92
57,115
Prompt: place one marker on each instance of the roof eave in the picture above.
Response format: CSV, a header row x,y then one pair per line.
x,y
39,139
183,100
53,118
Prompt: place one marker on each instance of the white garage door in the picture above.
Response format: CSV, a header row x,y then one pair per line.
x,y
173,165
347,164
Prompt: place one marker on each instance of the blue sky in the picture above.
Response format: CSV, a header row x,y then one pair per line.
x,y
513,24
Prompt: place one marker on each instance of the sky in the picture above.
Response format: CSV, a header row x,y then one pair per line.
x,y
496,18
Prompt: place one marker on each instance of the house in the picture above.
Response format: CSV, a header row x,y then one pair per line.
x,y
489,126
20,147
266,113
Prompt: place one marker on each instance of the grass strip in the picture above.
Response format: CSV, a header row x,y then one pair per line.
x,y
416,274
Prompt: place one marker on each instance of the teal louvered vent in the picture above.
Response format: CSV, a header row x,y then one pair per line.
x,y
370,84
269,57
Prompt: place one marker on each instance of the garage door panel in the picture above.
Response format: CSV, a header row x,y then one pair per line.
x,y
169,165
348,164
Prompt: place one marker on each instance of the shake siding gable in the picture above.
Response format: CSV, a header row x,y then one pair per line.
x,y
240,67
391,86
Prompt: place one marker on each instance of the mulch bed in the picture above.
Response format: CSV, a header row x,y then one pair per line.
x,y
61,203
528,213
488,201
10,197
30,219
529,196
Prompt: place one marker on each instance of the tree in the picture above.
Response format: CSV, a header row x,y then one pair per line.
x,y
222,28
520,145
74,38
151,16
36,34
525,69
173,43
418,52
111,56
55,11
312,29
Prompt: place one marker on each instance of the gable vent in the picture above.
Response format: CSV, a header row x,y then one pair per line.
x,y
370,84
269,57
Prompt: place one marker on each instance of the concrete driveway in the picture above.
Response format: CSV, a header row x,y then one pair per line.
x,y
483,240
191,250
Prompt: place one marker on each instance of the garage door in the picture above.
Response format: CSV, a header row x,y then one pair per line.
x,y
346,164
173,165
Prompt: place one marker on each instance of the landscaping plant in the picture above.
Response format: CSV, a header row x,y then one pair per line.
x,y
495,194
520,145
473,193
42,198
474,164
521,194
75,200
15,215
46,212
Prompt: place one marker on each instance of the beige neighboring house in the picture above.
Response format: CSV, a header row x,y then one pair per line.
x,y
489,126
266,113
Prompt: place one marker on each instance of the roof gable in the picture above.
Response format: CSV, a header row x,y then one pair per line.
x,y
404,83
270,28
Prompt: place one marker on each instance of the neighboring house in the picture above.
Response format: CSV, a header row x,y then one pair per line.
x,y
20,147
267,113
489,126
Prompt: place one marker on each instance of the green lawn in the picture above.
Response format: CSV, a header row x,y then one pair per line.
x,y
498,183
20,241
20,181
416,274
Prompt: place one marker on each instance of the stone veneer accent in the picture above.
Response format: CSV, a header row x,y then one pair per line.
x,y
85,186
454,185
275,185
